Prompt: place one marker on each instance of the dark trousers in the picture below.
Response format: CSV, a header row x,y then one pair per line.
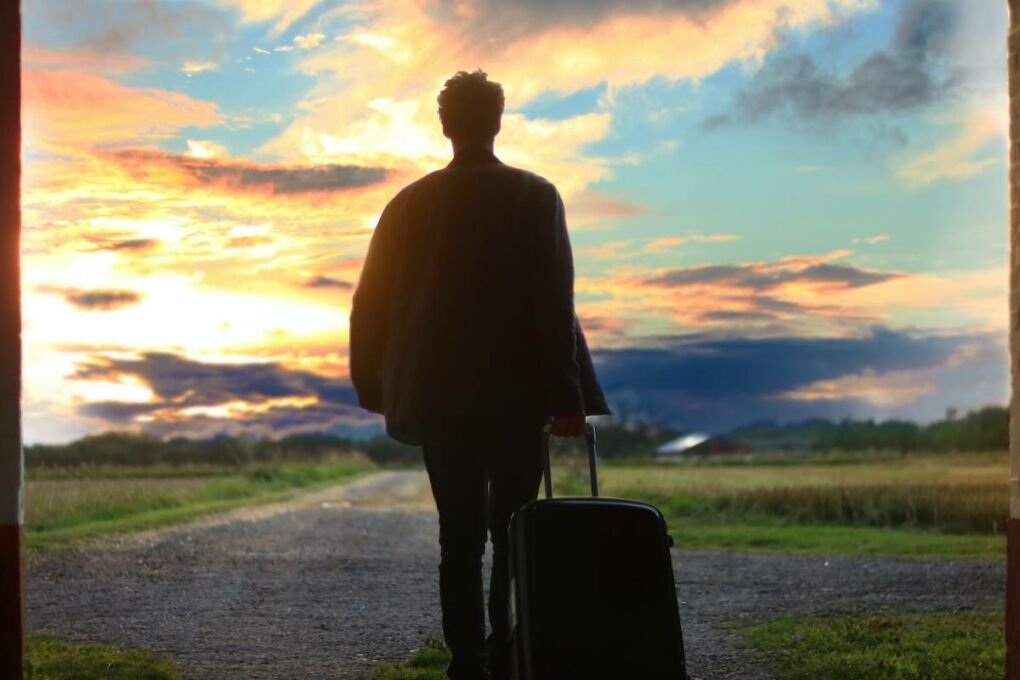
x,y
479,477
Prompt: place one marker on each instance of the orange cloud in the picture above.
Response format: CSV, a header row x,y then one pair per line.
x,y
655,246
374,100
806,296
200,169
282,13
961,157
93,62
590,209
891,388
71,110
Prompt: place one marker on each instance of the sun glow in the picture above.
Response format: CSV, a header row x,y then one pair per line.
x,y
238,408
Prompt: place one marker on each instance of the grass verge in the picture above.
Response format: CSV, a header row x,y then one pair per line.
x,y
52,659
916,506
772,536
70,513
428,663
945,646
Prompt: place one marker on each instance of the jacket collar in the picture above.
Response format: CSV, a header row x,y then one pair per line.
x,y
472,156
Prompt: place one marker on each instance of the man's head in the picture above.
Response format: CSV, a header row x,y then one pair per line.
x,y
470,106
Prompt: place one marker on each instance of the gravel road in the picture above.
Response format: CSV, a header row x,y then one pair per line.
x,y
323,586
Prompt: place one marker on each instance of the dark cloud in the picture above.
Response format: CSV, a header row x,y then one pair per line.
x,y
132,244
881,135
94,300
926,27
909,74
117,412
738,316
183,382
243,175
122,27
328,282
767,303
761,278
716,384
693,381
180,383
104,300
338,419
715,122
502,21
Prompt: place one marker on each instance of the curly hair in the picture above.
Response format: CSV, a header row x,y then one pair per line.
x,y
470,106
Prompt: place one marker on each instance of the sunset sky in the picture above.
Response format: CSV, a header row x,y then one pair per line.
x,y
778,208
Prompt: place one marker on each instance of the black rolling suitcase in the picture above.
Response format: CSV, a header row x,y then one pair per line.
x,y
592,591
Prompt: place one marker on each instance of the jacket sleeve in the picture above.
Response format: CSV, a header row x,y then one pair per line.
x,y
553,291
369,318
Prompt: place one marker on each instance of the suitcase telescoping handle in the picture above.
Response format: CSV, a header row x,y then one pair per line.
x,y
593,459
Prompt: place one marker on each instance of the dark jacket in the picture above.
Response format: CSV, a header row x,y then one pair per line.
x,y
465,304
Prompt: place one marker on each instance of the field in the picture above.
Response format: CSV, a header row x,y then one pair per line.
x,y
945,505
68,507
874,504
927,504
919,505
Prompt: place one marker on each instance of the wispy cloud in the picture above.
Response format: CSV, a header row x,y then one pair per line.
x,y
631,248
55,99
204,169
198,148
765,277
387,115
309,41
963,156
871,240
280,13
193,67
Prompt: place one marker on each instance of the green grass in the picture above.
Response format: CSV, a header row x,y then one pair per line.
x,y
916,505
946,646
52,659
65,513
76,472
771,536
427,663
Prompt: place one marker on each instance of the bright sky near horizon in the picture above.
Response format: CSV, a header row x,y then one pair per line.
x,y
778,208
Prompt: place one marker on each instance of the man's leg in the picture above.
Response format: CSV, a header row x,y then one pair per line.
x,y
457,474
516,473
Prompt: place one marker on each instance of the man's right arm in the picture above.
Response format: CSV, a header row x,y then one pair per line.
x,y
553,289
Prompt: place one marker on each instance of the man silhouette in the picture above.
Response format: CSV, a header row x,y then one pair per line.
x,y
463,334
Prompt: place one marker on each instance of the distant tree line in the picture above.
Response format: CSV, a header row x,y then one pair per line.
x,y
986,429
129,448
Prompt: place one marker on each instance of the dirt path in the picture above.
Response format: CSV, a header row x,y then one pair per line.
x,y
324,585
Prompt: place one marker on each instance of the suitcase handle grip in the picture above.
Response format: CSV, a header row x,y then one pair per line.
x,y
593,459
